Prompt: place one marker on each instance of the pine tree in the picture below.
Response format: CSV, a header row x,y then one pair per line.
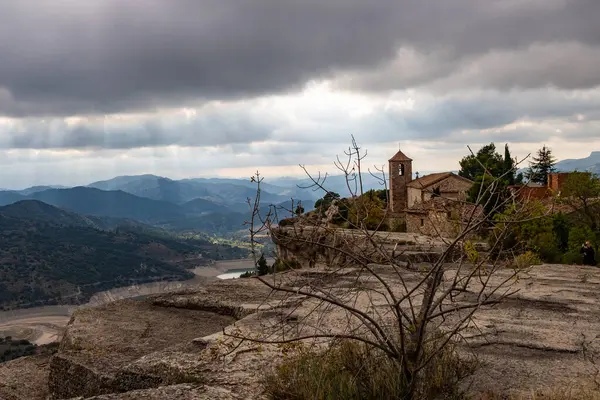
x,y
543,164
261,266
508,166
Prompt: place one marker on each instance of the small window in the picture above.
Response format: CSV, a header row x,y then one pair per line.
x,y
449,214
422,221
401,170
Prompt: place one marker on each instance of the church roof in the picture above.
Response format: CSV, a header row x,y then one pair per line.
x,y
400,156
428,180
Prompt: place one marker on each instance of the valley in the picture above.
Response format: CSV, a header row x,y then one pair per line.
x,y
61,245
45,324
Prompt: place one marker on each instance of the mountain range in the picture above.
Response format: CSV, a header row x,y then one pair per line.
x,y
157,201
211,205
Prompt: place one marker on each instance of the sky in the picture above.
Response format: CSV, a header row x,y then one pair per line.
x,y
183,88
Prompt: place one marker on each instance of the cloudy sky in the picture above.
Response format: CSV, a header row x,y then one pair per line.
x,y
97,88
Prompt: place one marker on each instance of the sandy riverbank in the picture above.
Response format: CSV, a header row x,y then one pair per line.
x,y
43,325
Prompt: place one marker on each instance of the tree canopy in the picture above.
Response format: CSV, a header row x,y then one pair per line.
x,y
473,166
487,167
581,192
543,164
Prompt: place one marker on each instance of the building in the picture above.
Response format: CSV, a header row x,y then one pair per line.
x,y
444,184
443,217
430,204
530,191
538,191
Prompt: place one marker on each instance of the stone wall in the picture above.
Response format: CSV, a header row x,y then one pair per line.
x,y
414,196
433,223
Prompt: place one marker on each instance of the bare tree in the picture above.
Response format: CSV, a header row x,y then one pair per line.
x,y
408,297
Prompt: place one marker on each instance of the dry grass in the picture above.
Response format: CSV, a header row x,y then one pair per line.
x,y
352,371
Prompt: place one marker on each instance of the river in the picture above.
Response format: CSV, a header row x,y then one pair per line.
x,y
43,325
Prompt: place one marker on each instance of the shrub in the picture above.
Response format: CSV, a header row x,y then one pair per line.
x,y
527,260
280,265
577,236
262,268
248,274
367,211
350,370
287,221
397,225
547,247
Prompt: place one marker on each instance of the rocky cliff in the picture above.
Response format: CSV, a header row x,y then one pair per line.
x,y
172,345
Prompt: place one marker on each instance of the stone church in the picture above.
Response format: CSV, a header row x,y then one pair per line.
x,y
428,204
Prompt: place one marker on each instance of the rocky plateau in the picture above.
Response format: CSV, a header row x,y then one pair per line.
x,y
179,345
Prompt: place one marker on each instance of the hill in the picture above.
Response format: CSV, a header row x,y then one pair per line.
x,y
101,209
9,197
273,193
114,203
34,189
201,206
333,183
51,256
154,187
590,163
40,211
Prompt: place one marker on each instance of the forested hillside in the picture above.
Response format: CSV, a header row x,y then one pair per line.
x,y
48,260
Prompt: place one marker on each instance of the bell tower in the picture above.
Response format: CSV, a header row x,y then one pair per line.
x,y
400,173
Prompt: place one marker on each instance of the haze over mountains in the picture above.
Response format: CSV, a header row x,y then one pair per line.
x,y
590,163
211,205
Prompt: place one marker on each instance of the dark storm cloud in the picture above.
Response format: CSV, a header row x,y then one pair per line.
x,y
96,56
214,128
241,125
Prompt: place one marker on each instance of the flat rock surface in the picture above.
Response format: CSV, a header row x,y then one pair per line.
x,y
174,392
99,342
543,336
25,378
539,338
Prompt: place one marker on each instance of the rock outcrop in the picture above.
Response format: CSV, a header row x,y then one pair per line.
x,y
100,344
310,245
171,346
25,378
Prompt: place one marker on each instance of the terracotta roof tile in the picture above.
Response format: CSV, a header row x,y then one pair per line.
x,y
428,180
400,156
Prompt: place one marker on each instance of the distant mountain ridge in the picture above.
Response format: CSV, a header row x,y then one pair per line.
x,y
107,208
211,205
590,163
39,211
221,191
